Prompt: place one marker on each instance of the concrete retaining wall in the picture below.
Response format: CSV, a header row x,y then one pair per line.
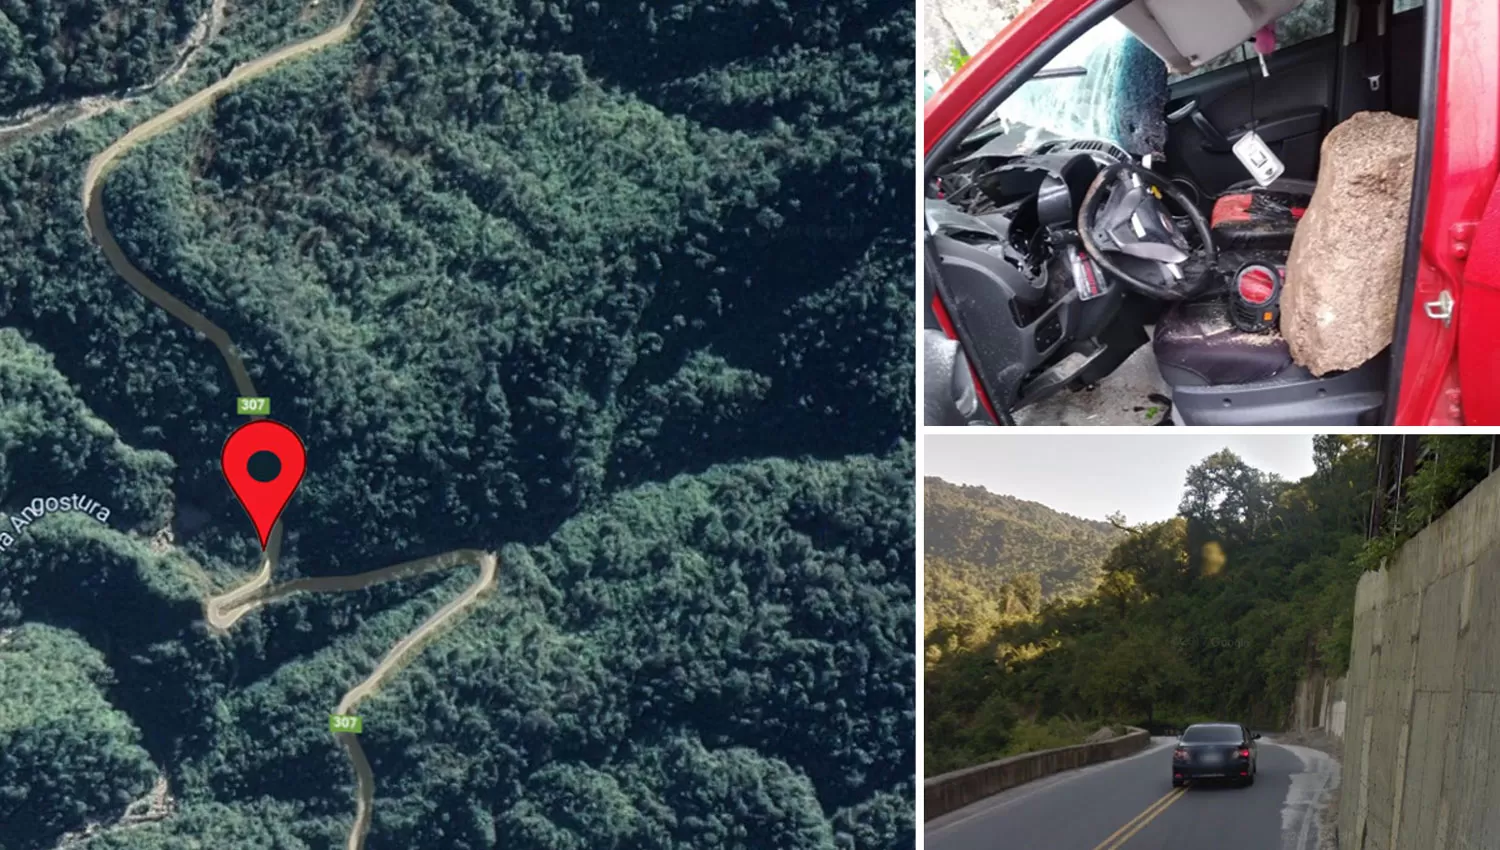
x,y
1423,729
950,791
1335,710
966,24
1320,705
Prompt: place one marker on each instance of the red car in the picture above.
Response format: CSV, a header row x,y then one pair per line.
x,y
1086,171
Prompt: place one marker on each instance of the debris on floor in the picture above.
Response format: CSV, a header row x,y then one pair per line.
x,y
1134,394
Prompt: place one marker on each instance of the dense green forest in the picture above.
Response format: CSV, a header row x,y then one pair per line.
x,y
52,50
724,655
51,444
622,294
56,725
987,555
1255,575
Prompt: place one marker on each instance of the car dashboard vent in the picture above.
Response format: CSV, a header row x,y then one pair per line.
x,y
1112,151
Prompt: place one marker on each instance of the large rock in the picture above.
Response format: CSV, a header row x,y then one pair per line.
x,y
1338,306
1104,733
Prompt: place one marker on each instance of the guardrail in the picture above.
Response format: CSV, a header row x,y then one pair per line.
x,y
949,791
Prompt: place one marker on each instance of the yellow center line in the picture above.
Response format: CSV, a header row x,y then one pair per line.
x,y
1135,824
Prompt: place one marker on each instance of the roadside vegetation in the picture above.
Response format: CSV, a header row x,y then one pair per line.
x,y
1255,575
991,556
52,50
57,726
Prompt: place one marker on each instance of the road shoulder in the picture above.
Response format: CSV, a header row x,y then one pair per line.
x,y
1309,816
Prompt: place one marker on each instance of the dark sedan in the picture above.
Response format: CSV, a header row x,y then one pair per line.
x,y
1215,751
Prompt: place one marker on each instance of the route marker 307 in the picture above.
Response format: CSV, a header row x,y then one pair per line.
x,y
252,405
345,723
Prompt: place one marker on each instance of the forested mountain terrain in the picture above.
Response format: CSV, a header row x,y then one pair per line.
x,y
1255,574
52,50
988,554
622,294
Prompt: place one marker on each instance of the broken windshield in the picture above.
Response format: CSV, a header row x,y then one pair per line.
x,y
1121,97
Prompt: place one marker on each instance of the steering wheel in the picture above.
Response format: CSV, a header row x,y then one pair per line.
x,y
1130,222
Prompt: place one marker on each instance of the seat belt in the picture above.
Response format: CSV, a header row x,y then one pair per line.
x,y
1372,21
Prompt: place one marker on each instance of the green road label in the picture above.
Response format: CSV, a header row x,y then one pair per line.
x,y
253,406
345,723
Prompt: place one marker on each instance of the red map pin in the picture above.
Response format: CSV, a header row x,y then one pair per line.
x,y
263,499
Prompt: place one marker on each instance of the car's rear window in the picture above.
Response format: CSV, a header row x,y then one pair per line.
x,y
1212,735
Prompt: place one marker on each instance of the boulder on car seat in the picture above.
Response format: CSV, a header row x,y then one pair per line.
x,y
1343,278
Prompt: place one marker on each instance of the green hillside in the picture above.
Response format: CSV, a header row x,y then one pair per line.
x,y
1255,575
988,554
51,50
619,292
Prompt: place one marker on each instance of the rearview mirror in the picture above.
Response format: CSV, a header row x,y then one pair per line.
x,y
1256,736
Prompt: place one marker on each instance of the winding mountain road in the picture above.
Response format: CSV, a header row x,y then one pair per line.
x,y
1130,804
100,165
224,610
33,119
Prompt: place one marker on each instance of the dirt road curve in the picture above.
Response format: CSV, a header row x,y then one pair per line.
x,y
394,660
99,166
201,100
224,610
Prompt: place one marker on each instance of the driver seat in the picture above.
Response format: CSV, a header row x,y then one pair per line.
x,y
1196,344
1221,375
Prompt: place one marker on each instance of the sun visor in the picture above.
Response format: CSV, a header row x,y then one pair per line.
x,y
1187,33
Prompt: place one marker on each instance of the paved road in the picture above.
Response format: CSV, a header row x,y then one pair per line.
x,y
1131,804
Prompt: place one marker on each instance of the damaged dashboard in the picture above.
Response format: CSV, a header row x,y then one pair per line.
x,y
1003,226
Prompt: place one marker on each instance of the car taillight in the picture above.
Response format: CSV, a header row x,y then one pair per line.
x,y
1244,752
1179,754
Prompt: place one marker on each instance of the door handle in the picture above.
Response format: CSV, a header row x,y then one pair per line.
x,y
1177,115
1283,127
1213,139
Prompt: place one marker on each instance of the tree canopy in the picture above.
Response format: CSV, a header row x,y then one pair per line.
x,y
53,50
991,556
1255,574
623,294
66,751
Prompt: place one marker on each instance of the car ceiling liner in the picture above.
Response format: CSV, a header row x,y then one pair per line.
x,y
1187,33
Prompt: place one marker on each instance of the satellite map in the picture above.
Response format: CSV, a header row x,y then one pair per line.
x,y
569,344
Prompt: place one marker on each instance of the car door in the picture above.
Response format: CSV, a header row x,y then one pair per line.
x,y
1291,109
1446,341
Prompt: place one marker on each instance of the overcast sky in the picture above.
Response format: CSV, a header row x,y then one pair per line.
x,y
1094,475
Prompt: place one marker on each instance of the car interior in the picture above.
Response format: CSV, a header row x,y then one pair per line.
x,y
1141,231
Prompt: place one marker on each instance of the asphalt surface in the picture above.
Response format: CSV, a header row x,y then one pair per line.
x,y
1130,803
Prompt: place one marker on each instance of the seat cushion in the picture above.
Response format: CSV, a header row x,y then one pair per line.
x,y
1196,344
1255,217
